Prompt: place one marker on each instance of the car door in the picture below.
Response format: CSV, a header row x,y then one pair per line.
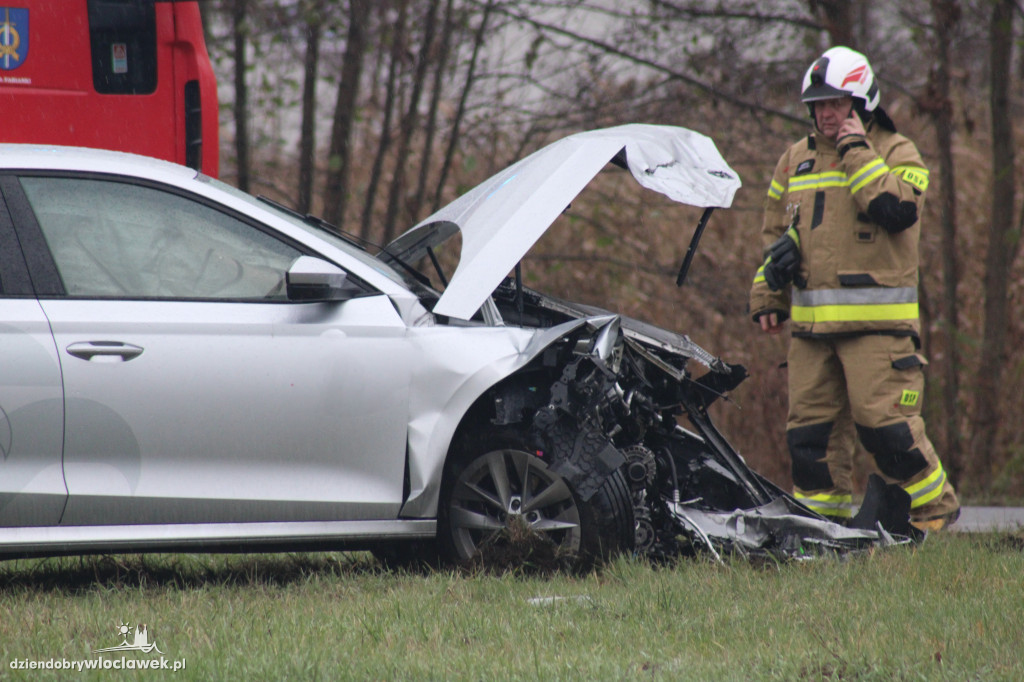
x,y
32,491
195,391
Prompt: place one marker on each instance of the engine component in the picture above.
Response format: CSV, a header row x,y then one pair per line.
x,y
645,535
641,468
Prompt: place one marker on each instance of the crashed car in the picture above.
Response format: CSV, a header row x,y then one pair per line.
x,y
187,367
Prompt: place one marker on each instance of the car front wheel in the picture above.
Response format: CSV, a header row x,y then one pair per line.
x,y
502,505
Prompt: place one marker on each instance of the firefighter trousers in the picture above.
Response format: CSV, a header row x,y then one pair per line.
x,y
870,387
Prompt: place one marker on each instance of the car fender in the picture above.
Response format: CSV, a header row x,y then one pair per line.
x,y
459,364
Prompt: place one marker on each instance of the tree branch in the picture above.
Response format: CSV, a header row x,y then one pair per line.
x,y
611,49
760,17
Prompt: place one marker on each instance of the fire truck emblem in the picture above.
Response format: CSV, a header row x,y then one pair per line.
x,y
13,37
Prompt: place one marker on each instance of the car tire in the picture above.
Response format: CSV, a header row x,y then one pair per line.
x,y
502,506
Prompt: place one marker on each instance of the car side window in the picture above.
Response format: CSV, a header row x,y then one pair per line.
x,y
114,239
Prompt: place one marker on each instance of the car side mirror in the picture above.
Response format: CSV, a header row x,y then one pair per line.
x,y
314,279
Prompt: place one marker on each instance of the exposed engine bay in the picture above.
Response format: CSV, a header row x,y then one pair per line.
x,y
620,393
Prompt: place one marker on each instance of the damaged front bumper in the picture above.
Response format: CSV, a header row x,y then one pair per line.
x,y
775,529
705,499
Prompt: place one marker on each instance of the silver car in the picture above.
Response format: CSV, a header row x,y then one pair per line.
x,y
184,366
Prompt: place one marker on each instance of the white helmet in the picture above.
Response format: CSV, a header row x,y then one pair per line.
x,y
841,72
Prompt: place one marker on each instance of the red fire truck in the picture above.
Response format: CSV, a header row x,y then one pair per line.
x,y
130,75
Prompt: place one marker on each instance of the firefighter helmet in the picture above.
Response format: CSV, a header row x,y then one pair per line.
x,y
841,72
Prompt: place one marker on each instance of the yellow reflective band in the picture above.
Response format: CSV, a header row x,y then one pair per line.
x,y
759,275
914,175
793,234
855,313
828,504
872,171
818,181
909,398
927,490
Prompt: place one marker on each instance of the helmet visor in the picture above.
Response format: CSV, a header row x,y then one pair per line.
x,y
819,91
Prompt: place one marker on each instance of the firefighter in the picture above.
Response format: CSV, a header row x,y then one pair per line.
x,y
841,231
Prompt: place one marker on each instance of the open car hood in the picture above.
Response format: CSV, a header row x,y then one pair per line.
x,y
504,216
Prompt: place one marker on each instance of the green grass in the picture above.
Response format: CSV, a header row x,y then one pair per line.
x,y
952,609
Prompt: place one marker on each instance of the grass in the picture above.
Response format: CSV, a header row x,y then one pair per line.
x,y
951,609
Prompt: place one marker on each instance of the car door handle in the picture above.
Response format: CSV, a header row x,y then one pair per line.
x,y
104,351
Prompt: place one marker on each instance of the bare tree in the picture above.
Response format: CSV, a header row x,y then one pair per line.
x,y
430,127
339,159
240,30
837,16
206,15
479,37
313,15
1004,237
937,102
409,123
398,38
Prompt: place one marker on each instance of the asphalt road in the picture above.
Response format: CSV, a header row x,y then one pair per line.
x,y
979,519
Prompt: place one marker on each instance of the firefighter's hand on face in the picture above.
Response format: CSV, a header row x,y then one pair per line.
x,y
852,125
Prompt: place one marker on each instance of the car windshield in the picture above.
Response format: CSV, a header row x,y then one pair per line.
x,y
326,233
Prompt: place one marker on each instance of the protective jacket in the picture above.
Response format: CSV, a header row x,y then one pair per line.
x,y
855,210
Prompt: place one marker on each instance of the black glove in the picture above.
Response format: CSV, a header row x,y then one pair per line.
x,y
783,261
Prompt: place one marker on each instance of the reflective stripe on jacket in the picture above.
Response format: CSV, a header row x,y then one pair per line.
x,y
859,231
828,504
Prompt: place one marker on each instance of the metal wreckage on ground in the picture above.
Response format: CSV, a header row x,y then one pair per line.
x,y
613,408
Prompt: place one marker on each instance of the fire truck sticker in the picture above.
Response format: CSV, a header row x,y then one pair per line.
x,y
13,37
